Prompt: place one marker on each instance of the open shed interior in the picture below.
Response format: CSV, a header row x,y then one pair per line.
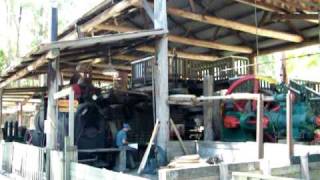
x,y
111,56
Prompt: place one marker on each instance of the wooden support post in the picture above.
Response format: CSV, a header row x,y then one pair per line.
x,y
53,85
259,131
71,117
289,125
20,113
305,174
208,108
66,159
161,74
1,106
252,61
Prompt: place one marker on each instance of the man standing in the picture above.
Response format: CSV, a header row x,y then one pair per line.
x,y
121,139
122,142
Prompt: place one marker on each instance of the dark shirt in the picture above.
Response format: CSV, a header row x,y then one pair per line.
x,y
121,136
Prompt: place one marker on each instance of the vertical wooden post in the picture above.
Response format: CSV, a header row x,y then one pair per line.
x,y
253,65
161,74
289,125
208,108
66,159
52,110
20,113
259,131
71,117
1,106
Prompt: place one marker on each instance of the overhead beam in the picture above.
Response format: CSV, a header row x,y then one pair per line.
x,y
107,14
260,5
183,40
180,54
235,25
288,47
297,16
90,41
285,5
39,62
271,8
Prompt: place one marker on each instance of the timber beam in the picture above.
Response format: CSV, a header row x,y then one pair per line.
x,y
235,25
107,14
272,8
183,40
39,62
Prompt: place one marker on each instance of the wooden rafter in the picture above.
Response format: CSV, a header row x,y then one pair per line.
x,y
261,4
39,62
109,13
183,40
235,25
286,5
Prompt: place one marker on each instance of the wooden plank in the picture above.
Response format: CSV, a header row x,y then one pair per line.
x,y
247,175
270,8
83,172
184,40
146,154
100,150
208,108
235,25
179,137
90,41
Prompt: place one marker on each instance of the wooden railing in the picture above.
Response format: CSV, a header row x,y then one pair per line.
x,y
180,69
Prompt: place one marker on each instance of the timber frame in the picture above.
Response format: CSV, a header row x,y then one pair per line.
x,y
193,30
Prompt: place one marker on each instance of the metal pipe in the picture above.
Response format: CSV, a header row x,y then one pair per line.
x,y
54,21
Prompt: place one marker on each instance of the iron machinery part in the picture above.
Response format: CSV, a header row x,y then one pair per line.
x,y
239,116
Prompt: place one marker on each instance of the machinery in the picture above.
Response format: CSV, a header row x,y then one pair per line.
x,y
239,117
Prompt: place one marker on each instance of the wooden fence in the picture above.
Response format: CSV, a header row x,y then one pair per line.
x,y
23,160
29,162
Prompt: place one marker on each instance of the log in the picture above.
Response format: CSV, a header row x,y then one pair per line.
x,y
179,137
183,40
235,25
147,152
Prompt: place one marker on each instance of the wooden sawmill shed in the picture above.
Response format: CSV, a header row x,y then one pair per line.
x,y
130,31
